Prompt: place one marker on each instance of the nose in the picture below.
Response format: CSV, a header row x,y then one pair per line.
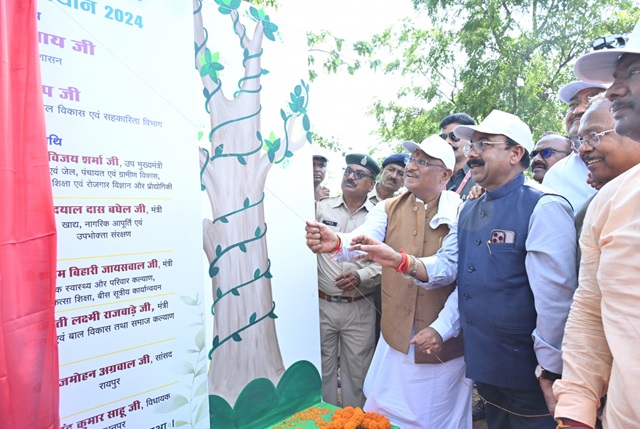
x,y
538,157
615,91
472,153
585,148
580,108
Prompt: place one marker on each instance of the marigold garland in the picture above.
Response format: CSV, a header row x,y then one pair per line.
x,y
355,418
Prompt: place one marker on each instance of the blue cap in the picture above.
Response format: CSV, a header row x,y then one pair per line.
x,y
396,158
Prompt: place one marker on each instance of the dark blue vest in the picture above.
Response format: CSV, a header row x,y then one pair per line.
x,y
497,309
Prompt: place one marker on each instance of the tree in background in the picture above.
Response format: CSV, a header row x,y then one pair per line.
x,y
479,55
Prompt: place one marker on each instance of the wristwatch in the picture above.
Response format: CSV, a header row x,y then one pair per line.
x,y
548,375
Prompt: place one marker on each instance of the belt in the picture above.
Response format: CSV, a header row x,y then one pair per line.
x,y
341,299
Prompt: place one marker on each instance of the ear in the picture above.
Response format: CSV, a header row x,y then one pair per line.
x,y
517,152
373,183
446,175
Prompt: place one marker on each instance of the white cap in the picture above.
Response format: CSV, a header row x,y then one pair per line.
x,y
435,147
570,90
499,122
598,66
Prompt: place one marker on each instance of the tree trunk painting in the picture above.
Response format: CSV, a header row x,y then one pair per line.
x,y
234,167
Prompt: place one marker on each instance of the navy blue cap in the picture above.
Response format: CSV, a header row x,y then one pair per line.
x,y
364,160
396,158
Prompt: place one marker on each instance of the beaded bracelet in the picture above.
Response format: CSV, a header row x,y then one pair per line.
x,y
414,270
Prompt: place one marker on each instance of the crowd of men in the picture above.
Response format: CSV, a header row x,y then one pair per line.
x,y
525,287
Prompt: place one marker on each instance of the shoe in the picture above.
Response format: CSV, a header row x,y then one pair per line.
x,y
479,411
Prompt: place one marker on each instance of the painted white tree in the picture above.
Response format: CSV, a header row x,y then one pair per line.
x,y
234,169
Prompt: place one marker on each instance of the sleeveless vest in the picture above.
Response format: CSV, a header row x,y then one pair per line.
x,y
496,304
404,304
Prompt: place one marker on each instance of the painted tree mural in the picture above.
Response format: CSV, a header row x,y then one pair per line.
x,y
234,168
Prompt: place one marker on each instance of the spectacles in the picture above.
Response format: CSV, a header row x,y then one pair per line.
x,y
592,139
547,152
421,162
359,175
608,42
479,147
452,136
320,165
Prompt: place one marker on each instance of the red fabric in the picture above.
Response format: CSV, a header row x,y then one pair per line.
x,y
29,393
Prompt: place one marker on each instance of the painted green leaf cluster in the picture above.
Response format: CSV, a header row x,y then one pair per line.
x,y
210,66
262,405
226,6
269,27
271,145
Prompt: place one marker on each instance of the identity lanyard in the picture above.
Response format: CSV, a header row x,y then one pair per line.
x,y
464,182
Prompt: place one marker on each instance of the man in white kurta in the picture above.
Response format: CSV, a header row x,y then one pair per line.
x,y
416,378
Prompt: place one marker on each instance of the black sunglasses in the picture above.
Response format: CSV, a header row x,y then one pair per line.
x,y
359,175
452,136
608,42
547,152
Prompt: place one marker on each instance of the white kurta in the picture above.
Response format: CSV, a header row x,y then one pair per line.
x,y
418,396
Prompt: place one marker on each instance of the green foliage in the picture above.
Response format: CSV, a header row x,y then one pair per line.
x,y
330,48
330,143
478,55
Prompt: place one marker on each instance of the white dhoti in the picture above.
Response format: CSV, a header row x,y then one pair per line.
x,y
418,396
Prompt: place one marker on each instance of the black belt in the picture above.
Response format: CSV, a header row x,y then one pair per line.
x,y
341,299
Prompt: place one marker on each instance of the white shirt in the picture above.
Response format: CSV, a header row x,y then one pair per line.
x,y
568,177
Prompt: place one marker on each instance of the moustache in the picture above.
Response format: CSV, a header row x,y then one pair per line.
x,y
476,162
538,164
455,148
619,104
351,183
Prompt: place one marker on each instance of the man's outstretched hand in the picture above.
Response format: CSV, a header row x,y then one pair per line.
x,y
320,239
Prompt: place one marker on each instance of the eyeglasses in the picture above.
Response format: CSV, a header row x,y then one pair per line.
x,y
452,136
421,162
592,139
479,147
608,42
359,175
547,152
320,165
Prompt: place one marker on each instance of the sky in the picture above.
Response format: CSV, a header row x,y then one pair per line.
x,y
339,102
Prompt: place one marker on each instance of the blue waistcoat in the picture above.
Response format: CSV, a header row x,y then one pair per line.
x,y
496,304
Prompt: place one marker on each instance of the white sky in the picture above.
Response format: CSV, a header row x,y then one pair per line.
x,y
338,103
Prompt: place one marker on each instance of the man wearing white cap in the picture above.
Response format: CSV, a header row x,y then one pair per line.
x,y
600,349
408,381
513,254
568,177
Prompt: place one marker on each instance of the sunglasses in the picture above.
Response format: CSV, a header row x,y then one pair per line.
x,y
451,136
359,175
608,42
547,152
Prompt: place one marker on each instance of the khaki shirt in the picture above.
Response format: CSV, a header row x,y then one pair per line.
x,y
334,213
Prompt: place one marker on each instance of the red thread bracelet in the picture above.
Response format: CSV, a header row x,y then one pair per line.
x,y
404,264
338,246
